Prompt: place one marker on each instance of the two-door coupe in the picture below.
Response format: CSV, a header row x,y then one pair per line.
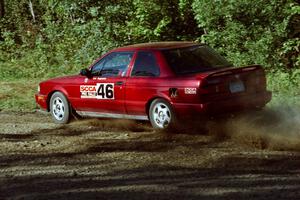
x,y
162,82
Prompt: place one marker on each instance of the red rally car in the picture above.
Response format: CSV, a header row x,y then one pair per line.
x,y
161,82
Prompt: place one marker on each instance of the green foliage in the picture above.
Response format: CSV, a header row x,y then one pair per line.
x,y
285,82
291,52
250,31
69,35
285,87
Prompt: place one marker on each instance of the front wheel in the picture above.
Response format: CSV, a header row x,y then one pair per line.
x,y
161,114
59,108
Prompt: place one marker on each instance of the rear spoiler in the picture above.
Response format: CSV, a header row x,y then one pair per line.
x,y
233,70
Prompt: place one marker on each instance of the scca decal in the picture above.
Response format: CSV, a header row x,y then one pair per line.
x,y
99,91
87,88
88,91
190,90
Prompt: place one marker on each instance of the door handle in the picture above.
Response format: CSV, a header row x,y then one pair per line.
x,y
119,83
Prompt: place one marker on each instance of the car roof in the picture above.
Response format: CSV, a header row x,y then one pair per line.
x,y
157,45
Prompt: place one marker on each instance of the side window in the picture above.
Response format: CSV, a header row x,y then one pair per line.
x,y
145,65
114,64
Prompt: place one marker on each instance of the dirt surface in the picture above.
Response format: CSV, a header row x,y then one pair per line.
x,y
117,159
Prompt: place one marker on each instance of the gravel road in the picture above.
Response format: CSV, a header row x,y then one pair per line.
x,y
118,159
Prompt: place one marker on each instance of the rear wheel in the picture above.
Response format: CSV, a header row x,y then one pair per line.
x,y
59,108
161,114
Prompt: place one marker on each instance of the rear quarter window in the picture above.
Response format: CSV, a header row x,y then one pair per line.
x,y
145,65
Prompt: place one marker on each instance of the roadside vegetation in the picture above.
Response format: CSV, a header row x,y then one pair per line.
x,y
46,38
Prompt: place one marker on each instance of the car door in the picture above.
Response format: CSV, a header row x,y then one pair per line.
x,y
105,92
143,82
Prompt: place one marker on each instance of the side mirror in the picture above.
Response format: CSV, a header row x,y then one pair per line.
x,y
86,72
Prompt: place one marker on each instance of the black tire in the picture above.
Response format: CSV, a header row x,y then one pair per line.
x,y
60,108
161,115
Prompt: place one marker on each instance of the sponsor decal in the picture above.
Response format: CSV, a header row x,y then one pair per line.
x,y
99,78
99,91
190,90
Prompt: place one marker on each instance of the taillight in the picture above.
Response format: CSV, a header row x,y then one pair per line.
x,y
260,77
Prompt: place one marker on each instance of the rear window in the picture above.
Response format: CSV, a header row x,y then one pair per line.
x,y
194,59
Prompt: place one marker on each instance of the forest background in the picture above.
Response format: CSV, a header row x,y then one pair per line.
x,y
46,38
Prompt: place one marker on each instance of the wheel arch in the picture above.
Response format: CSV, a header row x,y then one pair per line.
x,y
50,95
164,97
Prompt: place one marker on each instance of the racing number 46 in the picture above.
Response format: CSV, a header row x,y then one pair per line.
x,y
105,91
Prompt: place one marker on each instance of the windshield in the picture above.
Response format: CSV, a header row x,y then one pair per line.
x,y
194,59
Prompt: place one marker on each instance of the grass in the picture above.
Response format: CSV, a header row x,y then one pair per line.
x,y
18,95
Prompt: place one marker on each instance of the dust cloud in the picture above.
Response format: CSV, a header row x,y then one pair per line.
x,y
276,128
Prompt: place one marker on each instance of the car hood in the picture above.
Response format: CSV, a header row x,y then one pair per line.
x,y
63,79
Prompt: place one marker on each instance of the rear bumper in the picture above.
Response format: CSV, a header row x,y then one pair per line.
x,y
227,105
41,100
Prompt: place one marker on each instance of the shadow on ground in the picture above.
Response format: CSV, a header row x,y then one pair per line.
x,y
235,177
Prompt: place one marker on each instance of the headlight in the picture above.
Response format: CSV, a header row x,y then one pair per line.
x,y
39,89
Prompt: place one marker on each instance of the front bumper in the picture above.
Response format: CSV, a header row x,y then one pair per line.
x,y
41,100
226,105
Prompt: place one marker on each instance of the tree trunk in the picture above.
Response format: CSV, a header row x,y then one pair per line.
x,y
295,22
31,10
2,10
